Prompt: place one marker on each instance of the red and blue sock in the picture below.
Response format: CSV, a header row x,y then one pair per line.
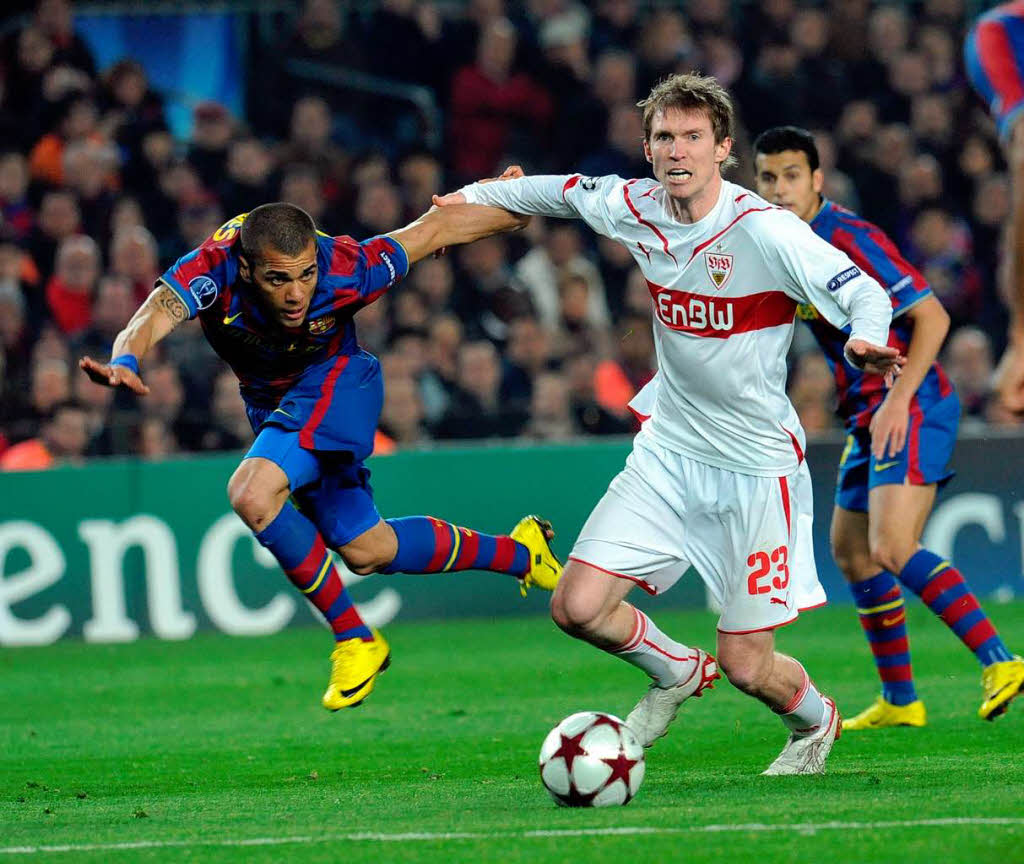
x,y
883,617
300,550
944,591
429,545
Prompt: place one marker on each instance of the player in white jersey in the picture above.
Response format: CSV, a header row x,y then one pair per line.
x,y
716,478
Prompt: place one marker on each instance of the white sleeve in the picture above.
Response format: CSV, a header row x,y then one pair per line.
x,y
595,200
814,271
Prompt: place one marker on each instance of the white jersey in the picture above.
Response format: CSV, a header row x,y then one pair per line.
x,y
725,291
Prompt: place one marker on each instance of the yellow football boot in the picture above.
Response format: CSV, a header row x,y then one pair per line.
x,y
1001,682
882,714
545,569
355,665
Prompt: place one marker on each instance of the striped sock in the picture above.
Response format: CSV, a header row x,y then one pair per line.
x,y
944,591
667,662
298,547
884,619
429,545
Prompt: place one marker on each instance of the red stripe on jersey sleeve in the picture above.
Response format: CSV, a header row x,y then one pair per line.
x,y
645,223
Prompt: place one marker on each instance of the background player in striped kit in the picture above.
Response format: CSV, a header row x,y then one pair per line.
x,y
994,58
899,444
275,298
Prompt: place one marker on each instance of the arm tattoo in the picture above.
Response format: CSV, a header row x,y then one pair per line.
x,y
171,304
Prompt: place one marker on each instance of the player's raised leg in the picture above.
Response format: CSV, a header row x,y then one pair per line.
x,y
424,544
880,606
589,604
895,545
751,663
258,491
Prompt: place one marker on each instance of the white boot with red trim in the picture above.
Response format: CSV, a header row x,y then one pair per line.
x,y
806,753
653,714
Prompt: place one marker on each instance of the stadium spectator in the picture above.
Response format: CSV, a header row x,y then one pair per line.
x,y
968,360
213,130
551,416
132,109
228,428
248,181
492,296
71,289
476,409
59,218
64,436
490,102
16,210
619,378
401,418
134,256
542,268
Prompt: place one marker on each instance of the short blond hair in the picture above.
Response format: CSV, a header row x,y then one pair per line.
x,y
692,91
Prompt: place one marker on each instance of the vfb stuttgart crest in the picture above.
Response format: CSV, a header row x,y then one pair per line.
x,y
321,325
719,266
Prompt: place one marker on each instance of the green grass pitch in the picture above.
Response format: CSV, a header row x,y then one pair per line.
x,y
217,749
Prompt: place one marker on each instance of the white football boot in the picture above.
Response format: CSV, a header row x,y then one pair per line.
x,y
652,715
806,754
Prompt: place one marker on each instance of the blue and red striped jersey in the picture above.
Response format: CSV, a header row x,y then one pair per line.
x,y
860,393
266,357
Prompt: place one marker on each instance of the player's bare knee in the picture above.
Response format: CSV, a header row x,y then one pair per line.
x,y
577,612
853,563
252,504
746,671
891,553
363,559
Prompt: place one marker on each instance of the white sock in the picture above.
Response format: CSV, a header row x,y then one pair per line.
x,y
668,662
806,710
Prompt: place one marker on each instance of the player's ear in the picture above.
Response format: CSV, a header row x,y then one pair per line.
x,y
244,268
647,151
818,180
722,150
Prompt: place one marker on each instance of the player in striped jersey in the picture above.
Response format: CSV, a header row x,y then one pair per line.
x,y
275,298
899,444
994,58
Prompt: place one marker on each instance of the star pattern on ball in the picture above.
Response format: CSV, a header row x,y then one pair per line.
x,y
621,765
575,798
605,720
570,748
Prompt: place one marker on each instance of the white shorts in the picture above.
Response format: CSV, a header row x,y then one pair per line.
x,y
748,537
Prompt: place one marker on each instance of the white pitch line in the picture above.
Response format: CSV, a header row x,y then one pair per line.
x,y
428,836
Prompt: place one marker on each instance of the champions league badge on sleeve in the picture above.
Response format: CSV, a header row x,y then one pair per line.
x,y
839,280
203,290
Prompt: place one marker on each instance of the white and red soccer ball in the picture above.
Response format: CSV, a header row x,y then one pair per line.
x,y
591,760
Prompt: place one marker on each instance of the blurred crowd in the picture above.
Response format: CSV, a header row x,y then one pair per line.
x,y
544,335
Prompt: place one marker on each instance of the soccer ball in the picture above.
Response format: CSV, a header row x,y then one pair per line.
x,y
591,759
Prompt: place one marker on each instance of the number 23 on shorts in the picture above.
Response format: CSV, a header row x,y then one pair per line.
x,y
764,563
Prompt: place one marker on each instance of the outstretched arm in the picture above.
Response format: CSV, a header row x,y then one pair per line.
x,y
890,422
152,321
451,226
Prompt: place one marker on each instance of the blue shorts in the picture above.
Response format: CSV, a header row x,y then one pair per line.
x,y
923,460
994,59
319,435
